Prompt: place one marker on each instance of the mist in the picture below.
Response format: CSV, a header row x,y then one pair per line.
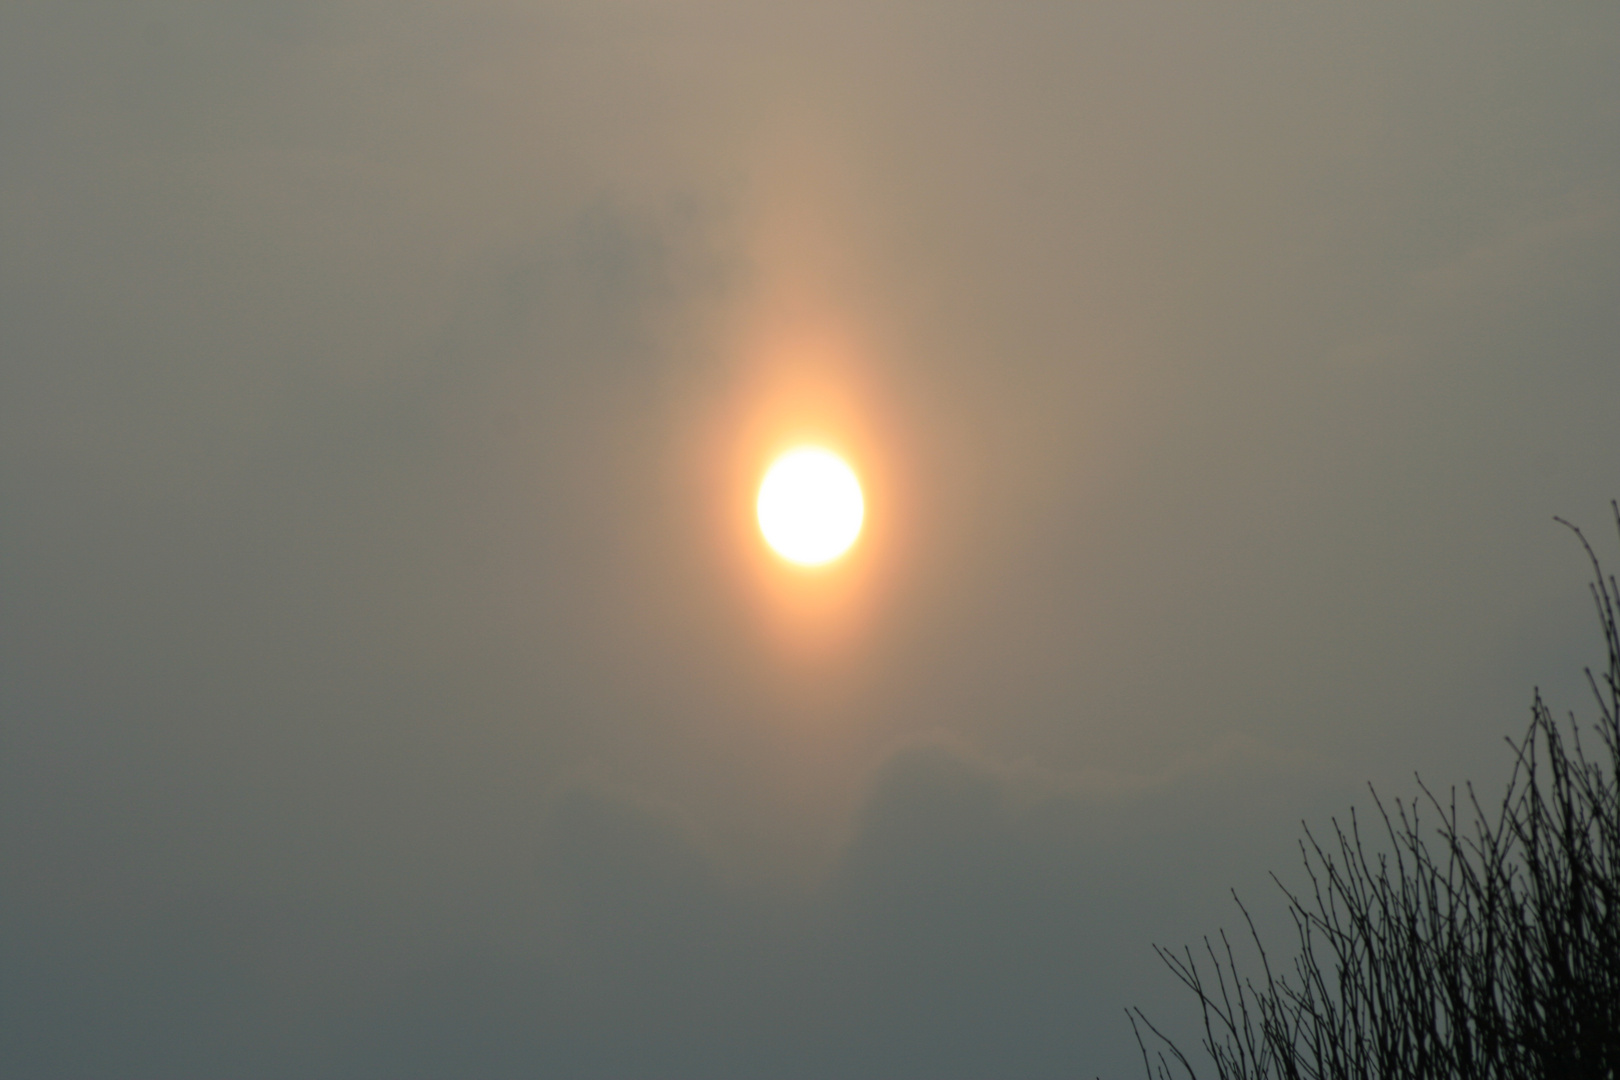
x,y
392,681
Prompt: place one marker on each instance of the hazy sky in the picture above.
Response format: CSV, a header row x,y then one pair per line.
x,y
392,683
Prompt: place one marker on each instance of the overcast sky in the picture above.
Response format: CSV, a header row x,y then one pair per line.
x,y
392,683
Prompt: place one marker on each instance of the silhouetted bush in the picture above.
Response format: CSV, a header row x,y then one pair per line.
x,y
1469,946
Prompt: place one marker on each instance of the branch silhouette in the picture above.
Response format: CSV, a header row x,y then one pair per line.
x,y
1475,946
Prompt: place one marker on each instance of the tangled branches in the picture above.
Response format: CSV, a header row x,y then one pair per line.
x,y
1478,946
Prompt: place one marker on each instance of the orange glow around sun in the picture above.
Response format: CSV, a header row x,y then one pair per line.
x,y
809,496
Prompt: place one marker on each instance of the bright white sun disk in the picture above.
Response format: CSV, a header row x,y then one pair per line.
x,y
810,506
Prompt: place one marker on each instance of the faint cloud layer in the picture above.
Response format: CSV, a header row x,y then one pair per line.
x,y
966,927
370,382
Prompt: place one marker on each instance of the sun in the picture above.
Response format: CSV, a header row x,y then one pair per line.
x,y
810,506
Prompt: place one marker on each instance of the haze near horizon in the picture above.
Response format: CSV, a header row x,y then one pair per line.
x,y
393,677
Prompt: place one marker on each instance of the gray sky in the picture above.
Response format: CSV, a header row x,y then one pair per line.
x,y
392,683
